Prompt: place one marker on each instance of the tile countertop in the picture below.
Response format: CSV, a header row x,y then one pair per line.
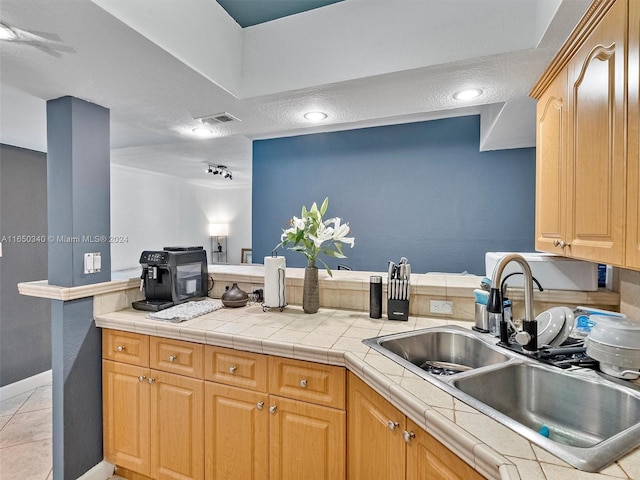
x,y
335,337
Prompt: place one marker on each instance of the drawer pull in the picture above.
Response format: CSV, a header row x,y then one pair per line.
x,y
260,405
273,409
232,370
141,378
561,244
303,383
173,358
408,436
151,380
392,425
120,348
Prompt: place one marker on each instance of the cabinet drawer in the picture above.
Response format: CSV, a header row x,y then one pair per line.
x,y
239,369
311,382
177,356
125,347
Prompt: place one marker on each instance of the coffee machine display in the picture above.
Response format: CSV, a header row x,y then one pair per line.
x,y
172,276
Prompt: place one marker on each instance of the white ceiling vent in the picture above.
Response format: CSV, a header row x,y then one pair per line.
x,y
216,118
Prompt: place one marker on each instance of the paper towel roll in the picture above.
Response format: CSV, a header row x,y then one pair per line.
x,y
274,272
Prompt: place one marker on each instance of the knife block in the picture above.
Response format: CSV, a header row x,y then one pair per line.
x,y
397,309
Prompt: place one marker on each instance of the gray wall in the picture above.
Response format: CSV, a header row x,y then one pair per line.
x,y
25,322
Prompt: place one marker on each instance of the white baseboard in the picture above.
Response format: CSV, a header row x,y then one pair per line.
x,y
101,471
25,385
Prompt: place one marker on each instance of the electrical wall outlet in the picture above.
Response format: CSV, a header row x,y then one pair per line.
x,y
441,307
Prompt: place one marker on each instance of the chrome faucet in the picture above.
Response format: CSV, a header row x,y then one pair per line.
x,y
529,337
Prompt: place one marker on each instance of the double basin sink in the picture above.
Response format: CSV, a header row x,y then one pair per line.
x,y
579,416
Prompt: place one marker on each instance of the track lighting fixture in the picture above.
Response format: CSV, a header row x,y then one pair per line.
x,y
221,170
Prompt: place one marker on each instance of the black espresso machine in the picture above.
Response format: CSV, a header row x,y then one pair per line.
x,y
172,276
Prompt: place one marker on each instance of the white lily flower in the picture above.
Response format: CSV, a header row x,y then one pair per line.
x,y
311,244
340,232
298,223
322,235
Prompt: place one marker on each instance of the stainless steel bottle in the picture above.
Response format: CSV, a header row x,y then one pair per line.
x,y
375,296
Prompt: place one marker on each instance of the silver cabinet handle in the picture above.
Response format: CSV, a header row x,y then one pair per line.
x,y
408,436
303,383
273,409
120,348
141,378
392,425
173,358
151,380
260,405
560,243
232,370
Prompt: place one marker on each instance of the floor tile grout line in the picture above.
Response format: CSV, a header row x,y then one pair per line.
x,y
27,443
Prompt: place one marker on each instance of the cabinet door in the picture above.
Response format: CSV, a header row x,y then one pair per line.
x,y
306,441
633,159
596,150
428,459
551,133
237,433
126,418
177,434
375,443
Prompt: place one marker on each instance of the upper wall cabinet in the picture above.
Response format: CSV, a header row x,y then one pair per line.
x,y
633,159
586,191
551,133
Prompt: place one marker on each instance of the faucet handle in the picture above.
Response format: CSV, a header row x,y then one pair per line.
x,y
523,338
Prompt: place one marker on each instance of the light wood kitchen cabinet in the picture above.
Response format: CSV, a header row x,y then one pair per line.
x,y
384,444
633,158
587,168
307,427
126,415
236,415
428,459
596,143
374,435
272,417
237,433
152,419
551,133
306,441
177,433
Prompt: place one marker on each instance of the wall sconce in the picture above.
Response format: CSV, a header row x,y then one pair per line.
x,y
221,170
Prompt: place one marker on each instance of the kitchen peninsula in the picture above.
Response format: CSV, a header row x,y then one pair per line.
x,y
333,337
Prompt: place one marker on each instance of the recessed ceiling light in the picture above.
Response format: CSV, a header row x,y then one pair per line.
x,y
468,94
6,33
202,131
315,116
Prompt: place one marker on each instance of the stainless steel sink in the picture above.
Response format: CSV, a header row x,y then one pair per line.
x,y
596,421
453,347
591,421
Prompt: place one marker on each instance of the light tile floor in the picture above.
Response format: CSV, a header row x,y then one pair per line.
x,y
25,436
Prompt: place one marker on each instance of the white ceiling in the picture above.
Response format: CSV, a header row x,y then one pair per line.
x,y
158,65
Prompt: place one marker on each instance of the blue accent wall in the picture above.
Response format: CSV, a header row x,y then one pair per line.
x,y
420,190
